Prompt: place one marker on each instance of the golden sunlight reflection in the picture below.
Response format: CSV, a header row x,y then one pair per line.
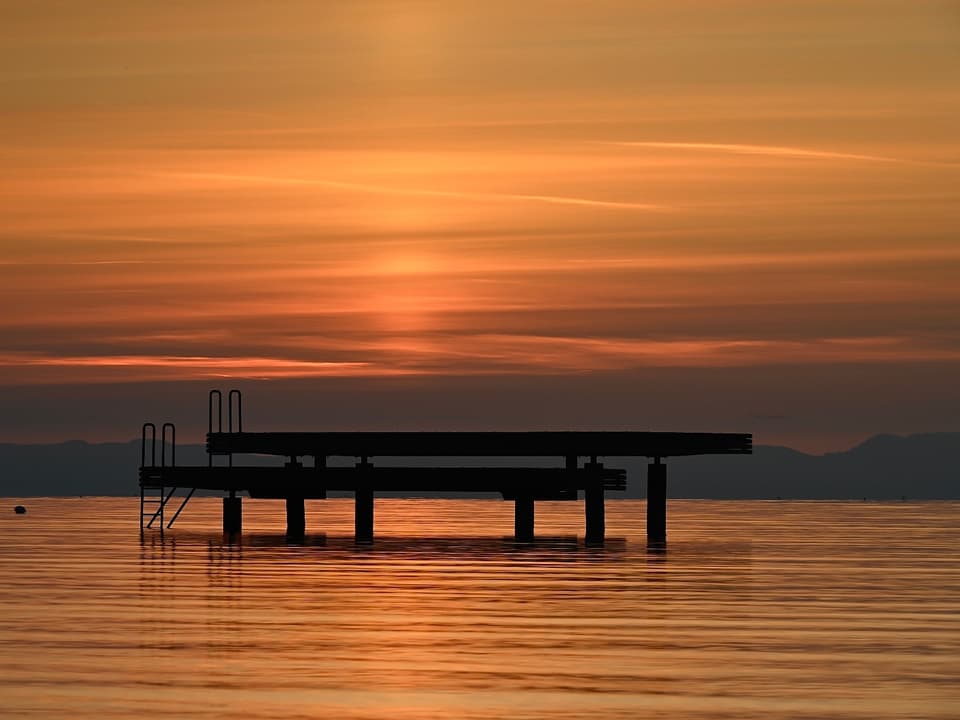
x,y
755,609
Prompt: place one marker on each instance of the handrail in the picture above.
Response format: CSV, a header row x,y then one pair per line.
x,y
219,411
173,444
153,445
230,397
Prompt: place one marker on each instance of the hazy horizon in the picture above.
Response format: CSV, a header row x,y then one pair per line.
x,y
198,441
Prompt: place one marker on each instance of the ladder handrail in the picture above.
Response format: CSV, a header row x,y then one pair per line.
x,y
153,445
230,396
173,444
219,411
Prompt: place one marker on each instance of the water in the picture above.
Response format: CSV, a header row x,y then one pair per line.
x,y
756,610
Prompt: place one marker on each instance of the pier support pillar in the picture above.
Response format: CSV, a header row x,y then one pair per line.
x,y
657,501
232,514
363,515
523,515
296,517
595,513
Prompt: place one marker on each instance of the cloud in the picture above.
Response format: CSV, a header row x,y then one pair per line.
x,y
465,354
79,263
135,368
419,192
782,151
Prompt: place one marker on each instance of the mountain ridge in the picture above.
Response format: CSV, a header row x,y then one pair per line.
x,y
920,466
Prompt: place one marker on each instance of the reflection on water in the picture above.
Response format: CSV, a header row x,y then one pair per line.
x,y
755,609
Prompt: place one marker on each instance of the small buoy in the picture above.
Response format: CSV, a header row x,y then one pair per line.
x,y
20,510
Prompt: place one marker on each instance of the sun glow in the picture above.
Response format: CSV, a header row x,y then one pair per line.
x,y
404,264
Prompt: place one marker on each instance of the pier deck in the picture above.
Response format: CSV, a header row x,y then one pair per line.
x,y
297,481
480,444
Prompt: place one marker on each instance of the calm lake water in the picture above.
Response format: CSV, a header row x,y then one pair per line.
x,y
756,610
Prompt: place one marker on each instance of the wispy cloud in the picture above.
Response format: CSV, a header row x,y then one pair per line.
x,y
79,263
148,367
421,192
457,354
782,151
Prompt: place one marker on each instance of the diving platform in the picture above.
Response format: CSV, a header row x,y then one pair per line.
x,y
479,444
578,470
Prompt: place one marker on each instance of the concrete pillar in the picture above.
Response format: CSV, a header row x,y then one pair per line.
x,y
595,513
657,501
363,515
296,517
523,515
232,514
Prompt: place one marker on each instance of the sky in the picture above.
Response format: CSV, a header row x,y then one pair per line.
x,y
686,215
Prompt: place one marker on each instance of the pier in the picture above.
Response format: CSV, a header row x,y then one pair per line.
x,y
578,473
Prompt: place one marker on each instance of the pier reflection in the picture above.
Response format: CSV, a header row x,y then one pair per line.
x,y
163,548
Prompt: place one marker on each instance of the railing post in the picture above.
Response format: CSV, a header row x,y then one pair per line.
x,y
153,445
219,406
230,396
173,445
210,405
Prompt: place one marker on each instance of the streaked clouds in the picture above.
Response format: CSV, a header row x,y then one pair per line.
x,y
743,149
442,189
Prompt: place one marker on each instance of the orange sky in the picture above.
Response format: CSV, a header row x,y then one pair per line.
x,y
379,190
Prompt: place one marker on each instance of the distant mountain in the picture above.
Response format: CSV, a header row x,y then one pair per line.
x,y
883,467
80,468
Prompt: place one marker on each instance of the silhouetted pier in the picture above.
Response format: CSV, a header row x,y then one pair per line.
x,y
581,472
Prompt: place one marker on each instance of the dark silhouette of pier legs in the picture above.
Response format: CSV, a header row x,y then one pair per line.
x,y
296,520
296,517
523,515
656,501
232,514
595,513
363,515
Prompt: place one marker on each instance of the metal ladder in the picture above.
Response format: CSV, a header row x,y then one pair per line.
x,y
154,493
